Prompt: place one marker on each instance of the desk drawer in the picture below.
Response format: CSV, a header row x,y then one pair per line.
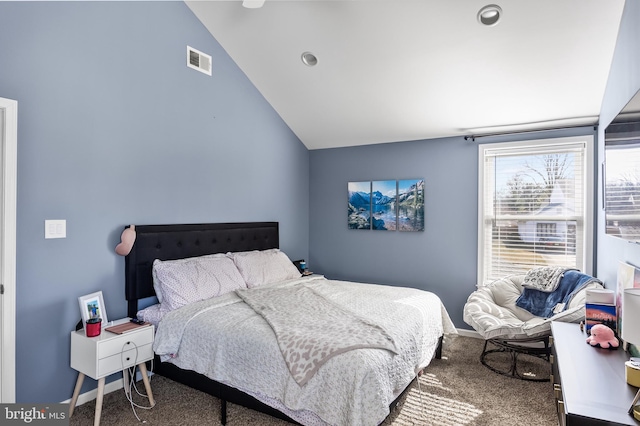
x,y
126,359
125,342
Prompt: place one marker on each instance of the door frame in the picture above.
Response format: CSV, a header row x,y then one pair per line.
x,y
9,159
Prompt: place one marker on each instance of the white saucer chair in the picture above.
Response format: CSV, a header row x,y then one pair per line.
x,y
491,310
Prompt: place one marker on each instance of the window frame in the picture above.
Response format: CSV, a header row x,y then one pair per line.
x,y
585,261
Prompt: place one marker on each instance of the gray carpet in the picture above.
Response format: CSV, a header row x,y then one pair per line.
x,y
455,390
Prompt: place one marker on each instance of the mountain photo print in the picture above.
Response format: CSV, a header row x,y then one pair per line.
x,y
383,205
411,205
359,205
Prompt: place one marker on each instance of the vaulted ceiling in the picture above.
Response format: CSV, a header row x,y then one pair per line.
x,y
399,70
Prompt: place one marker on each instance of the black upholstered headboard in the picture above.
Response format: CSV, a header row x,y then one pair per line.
x,y
168,242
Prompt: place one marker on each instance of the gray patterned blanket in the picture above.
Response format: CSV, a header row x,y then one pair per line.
x,y
227,341
545,278
311,329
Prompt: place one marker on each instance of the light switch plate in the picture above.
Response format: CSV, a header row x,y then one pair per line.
x,y
55,229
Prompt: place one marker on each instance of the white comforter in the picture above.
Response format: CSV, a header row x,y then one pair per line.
x,y
224,339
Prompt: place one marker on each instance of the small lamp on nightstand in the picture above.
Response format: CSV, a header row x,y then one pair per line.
x,y
631,334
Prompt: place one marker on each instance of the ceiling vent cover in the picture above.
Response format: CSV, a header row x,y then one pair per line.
x,y
198,60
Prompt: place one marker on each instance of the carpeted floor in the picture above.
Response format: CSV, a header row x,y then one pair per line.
x,y
455,390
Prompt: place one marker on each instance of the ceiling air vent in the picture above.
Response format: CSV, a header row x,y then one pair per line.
x,y
198,60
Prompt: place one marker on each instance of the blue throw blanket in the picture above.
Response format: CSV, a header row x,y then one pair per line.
x,y
542,304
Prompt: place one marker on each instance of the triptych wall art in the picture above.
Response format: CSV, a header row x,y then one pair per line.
x,y
386,205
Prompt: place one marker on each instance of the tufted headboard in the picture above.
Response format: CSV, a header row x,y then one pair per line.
x,y
168,242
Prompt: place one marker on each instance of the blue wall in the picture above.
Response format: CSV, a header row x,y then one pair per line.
x,y
442,259
115,129
623,83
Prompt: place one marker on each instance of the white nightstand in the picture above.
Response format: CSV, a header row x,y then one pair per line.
x,y
108,353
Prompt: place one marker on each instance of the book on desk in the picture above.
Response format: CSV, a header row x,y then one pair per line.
x,y
600,313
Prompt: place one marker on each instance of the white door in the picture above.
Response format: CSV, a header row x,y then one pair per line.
x,y
8,169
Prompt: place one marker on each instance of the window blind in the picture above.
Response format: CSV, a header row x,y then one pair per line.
x,y
532,208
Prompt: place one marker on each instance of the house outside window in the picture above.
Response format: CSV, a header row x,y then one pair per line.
x,y
622,179
535,206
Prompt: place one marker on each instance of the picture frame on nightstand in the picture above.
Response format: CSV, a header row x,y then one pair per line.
x,y
92,306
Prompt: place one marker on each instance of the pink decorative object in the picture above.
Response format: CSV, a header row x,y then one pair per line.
x,y
603,337
127,239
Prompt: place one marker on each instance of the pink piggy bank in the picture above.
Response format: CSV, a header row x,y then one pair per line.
x,y
603,337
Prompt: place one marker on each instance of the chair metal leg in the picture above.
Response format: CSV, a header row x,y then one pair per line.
x,y
515,348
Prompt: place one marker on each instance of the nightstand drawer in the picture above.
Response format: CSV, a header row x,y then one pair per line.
x,y
126,359
125,342
88,352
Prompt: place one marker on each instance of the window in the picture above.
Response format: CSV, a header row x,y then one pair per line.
x,y
622,184
535,206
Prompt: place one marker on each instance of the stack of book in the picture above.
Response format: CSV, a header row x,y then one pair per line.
x,y
600,308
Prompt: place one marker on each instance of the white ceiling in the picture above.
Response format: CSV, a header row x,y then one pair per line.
x,y
398,70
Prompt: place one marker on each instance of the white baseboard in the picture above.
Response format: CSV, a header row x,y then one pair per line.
x,y
92,394
469,333
114,386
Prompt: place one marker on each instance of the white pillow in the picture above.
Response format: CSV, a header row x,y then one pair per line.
x,y
156,282
152,314
264,267
183,281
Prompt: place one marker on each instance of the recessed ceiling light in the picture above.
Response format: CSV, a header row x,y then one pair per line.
x,y
253,4
490,15
309,59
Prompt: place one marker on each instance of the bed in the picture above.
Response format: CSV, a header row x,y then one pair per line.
x,y
247,345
